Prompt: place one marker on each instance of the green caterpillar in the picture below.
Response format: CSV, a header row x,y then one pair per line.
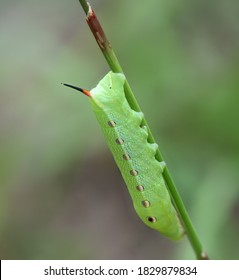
x,y
134,155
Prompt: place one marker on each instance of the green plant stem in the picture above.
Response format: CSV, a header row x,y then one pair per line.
x,y
114,64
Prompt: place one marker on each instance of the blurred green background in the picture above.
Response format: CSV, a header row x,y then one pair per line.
x,y
61,195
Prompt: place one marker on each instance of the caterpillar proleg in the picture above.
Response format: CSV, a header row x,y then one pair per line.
x,y
134,155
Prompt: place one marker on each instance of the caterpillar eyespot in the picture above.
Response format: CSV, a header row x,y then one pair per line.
x,y
119,141
126,157
127,139
140,188
111,123
152,219
134,172
146,203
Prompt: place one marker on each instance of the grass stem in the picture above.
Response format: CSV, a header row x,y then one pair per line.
x,y
114,65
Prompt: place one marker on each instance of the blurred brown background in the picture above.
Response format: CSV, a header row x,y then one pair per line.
x,y
61,195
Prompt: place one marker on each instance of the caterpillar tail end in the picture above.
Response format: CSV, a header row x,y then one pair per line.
x,y
86,92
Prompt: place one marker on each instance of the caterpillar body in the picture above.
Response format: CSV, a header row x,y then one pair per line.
x,y
134,155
